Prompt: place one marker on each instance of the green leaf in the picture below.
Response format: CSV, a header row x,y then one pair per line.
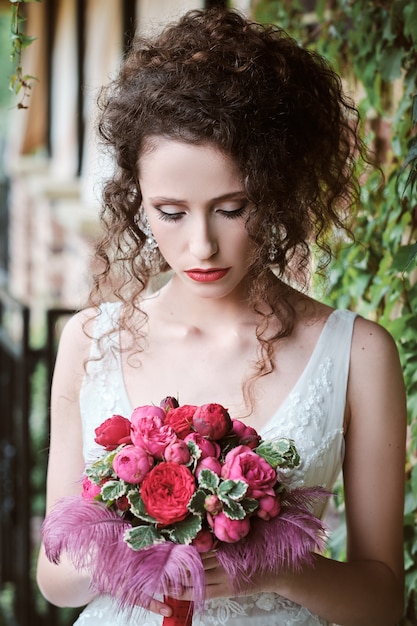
x,y
280,453
403,257
414,481
196,503
141,537
26,40
410,505
138,506
414,114
208,480
233,489
102,468
410,20
233,509
249,504
184,531
390,63
194,449
113,489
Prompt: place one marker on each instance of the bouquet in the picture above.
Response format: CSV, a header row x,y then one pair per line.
x,y
174,482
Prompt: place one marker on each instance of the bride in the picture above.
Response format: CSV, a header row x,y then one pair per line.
x,y
236,153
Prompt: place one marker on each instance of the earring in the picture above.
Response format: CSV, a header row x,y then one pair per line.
x,y
150,247
273,246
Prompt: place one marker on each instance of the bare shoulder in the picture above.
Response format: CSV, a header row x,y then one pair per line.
x,y
78,329
81,323
370,343
75,344
376,385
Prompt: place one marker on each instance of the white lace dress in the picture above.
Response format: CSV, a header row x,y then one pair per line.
x,y
312,415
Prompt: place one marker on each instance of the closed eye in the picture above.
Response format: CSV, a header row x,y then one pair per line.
x,y
169,217
236,213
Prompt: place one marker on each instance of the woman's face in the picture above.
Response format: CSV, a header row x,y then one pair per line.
x,y
197,209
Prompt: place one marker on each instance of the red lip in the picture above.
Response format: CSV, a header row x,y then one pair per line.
x,y
207,276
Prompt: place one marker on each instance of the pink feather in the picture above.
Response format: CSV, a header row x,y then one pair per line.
x,y
287,540
77,527
92,537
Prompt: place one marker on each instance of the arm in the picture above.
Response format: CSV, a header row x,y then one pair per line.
x,y
367,590
61,584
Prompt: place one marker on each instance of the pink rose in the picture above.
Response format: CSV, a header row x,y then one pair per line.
x,y
230,530
149,410
177,452
213,504
181,419
211,463
166,492
242,463
90,490
212,421
207,448
113,432
269,506
246,435
203,541
149,432
132,464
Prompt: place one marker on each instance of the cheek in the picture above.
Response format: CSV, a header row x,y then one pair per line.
x,y
243,247
166,237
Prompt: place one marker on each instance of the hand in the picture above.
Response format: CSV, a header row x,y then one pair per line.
x,y
218,584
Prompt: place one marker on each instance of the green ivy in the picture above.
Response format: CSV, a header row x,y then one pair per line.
x,y
373,45
20,83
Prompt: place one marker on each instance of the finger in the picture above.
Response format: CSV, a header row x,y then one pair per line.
x,y
208,555
211,563
160,608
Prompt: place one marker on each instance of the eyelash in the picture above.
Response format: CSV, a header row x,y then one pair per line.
x,y
169,217
175,217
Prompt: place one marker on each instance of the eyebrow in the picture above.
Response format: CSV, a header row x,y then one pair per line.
x,y
222,198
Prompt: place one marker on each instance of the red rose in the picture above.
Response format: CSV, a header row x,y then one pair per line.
x,y
203,541
212,421
169,403
181,419
123,503
113,432
166,492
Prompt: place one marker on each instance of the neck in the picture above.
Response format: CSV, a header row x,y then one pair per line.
x,y
180,305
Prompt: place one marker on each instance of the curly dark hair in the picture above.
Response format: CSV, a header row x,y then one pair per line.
x,y
276,109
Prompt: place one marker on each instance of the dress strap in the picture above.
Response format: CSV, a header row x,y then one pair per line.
x,y
335,345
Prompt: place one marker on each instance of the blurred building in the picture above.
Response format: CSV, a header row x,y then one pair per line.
x,y
52,164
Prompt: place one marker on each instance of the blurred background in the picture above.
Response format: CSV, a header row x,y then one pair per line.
x,y
50,179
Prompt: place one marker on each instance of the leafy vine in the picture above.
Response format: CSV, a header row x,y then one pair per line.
x,y
20,83
373,45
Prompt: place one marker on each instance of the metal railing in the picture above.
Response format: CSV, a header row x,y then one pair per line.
x,y
21,459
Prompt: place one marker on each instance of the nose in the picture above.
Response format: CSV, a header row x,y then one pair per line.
x,y
203,239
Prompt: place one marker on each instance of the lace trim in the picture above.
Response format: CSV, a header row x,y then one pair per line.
x,y
256,610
